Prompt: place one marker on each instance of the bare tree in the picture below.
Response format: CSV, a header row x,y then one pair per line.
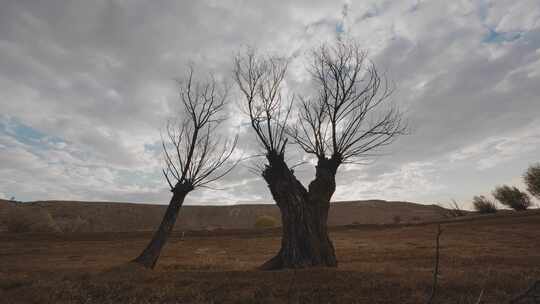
x,y
194,154
342,123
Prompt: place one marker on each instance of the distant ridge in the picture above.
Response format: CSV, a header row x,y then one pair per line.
x,y
70,216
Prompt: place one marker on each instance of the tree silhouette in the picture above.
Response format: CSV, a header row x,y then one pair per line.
x,y
512,197
341,123
532,179
194,153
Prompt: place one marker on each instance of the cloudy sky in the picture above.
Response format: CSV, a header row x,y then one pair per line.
x,y
86,86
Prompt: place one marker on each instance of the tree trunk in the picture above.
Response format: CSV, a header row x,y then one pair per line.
x,y
321,190
150,254
305,242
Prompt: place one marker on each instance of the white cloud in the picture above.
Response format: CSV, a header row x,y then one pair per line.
x,y
99,76
511,16
497,149
410,181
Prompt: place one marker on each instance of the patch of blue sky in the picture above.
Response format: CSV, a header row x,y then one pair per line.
x,y
27,135
340,28
153,147
139,178
482,8
498,37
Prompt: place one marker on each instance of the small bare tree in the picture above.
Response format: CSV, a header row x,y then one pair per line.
x,y
194,154
341,123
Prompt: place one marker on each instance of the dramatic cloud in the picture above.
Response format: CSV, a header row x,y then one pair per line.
x,y
86,86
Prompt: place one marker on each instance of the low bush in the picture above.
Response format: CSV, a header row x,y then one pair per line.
x,y
266,221
453,209
483,205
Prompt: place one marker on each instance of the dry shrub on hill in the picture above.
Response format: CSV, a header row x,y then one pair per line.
x,y
266,221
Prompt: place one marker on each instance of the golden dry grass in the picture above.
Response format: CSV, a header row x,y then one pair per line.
x,y
378,264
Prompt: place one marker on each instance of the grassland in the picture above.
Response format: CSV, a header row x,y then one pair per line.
x,y
378,264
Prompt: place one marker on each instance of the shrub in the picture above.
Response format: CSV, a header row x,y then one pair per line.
x,y
483,205
512,197
266,221
453,210
532,179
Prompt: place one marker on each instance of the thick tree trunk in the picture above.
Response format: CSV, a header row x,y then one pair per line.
x,y
305,242
150,254
321,190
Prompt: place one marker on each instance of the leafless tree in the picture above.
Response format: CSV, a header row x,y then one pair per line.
x,y
343,122
194,153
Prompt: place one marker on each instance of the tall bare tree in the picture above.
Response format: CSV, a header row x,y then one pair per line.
x,y
194,153
345,120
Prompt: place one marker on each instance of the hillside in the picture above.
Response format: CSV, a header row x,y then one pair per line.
x,y
70,216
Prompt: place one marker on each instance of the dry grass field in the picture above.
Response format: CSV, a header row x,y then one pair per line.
x,y
378,264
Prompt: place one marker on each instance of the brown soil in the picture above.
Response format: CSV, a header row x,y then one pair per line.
x,y
378,264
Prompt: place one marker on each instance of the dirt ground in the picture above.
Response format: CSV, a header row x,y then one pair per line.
x,y
499,257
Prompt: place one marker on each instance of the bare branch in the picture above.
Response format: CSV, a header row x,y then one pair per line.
x,y
200,156
260,79
345,119
171,187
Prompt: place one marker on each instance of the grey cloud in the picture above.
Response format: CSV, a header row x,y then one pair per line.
x,y
100,76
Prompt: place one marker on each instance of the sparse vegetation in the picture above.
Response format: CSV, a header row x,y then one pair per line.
x,y
512,197
266,221
456,210
484,205
532,180
453,209
396,219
